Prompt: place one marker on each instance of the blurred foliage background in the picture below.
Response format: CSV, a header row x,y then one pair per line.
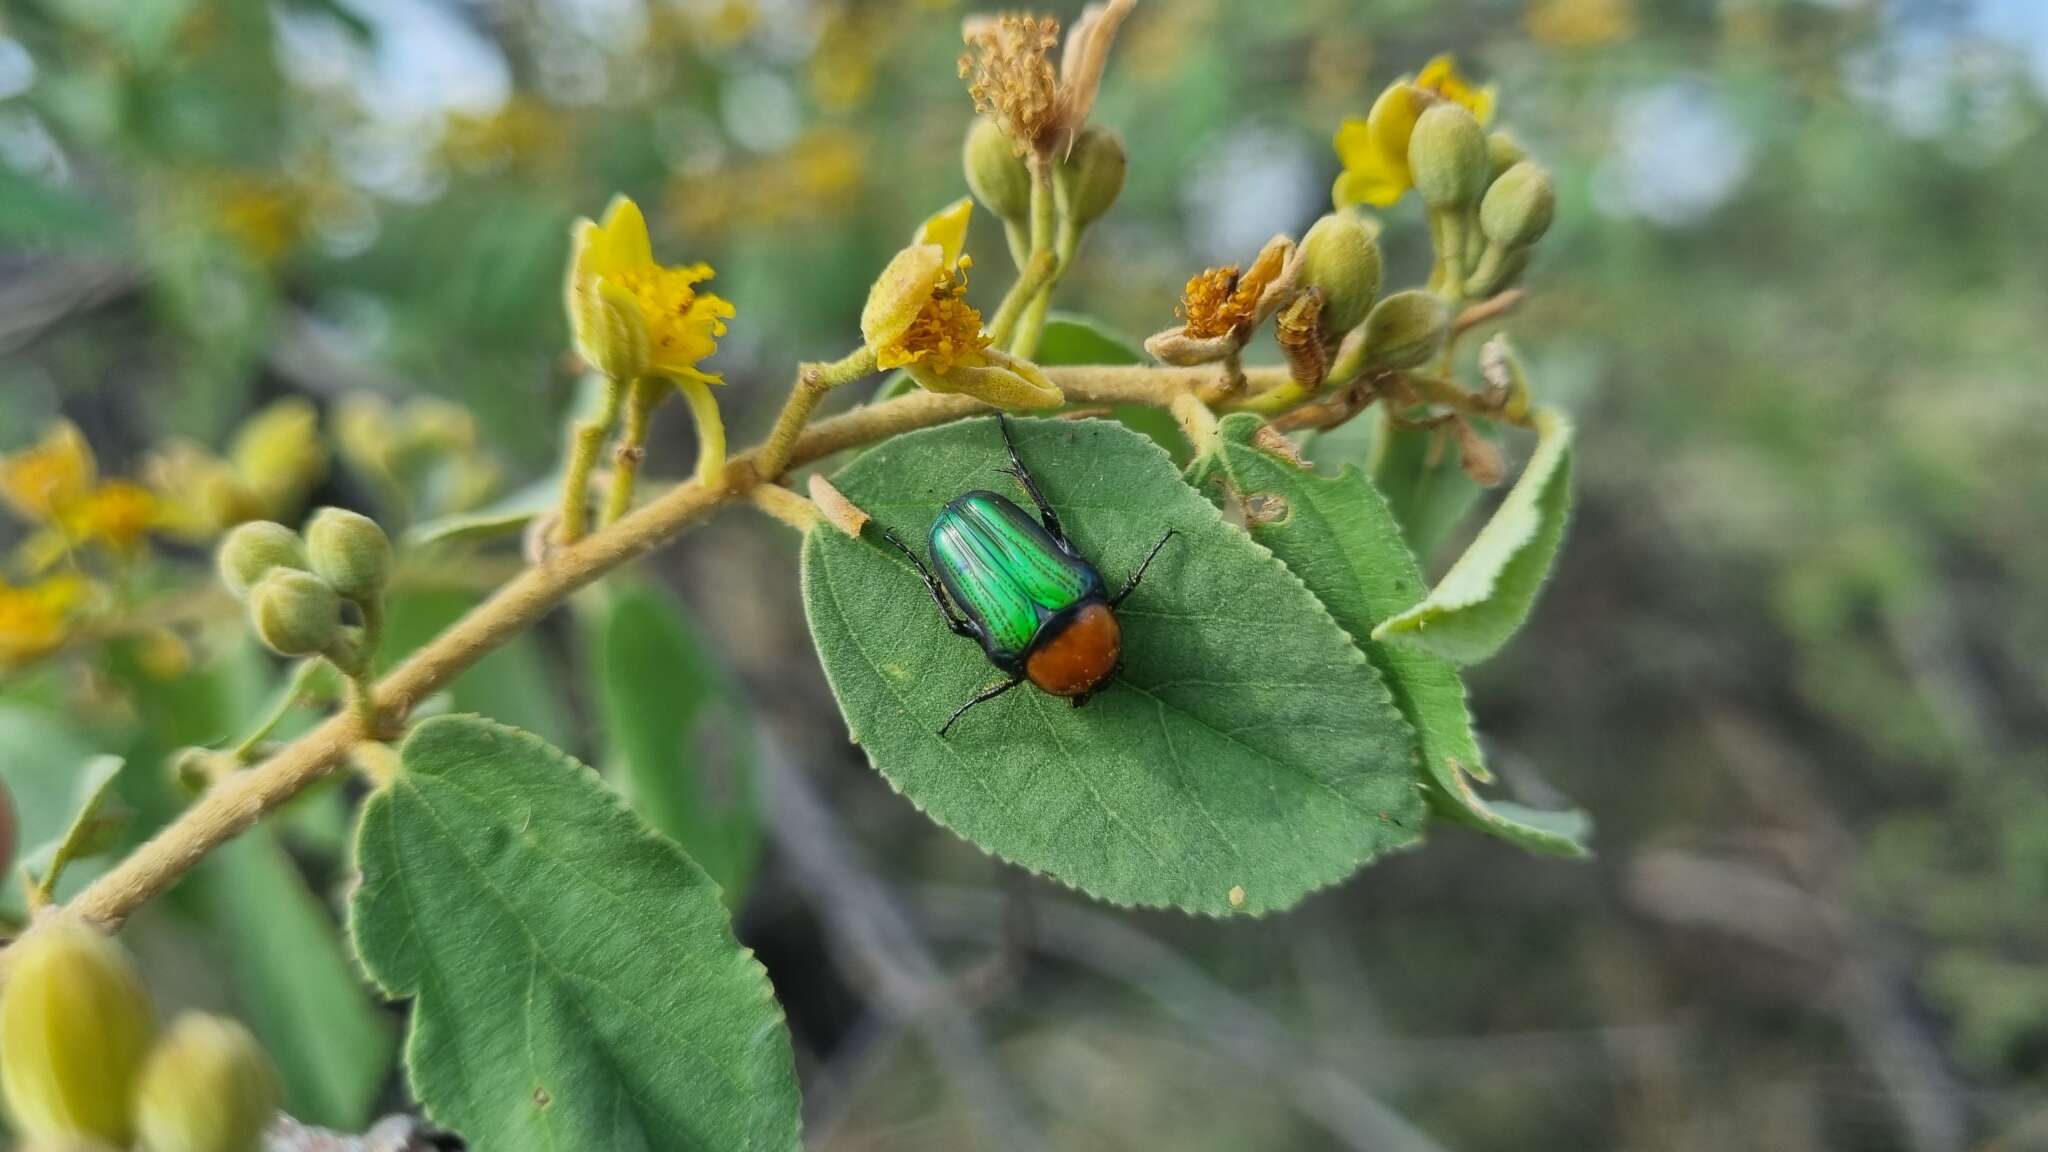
x,y
1791,663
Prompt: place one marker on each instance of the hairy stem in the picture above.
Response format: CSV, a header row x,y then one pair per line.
x,y
642,398
240,799
585,442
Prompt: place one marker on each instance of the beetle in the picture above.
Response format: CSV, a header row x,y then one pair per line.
x,y
1018,587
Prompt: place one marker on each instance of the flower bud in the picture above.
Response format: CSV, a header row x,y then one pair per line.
x,y
350,552
1087,182
1406,329
75,1025
1518,208
1447,155
252,550
995,173
605,321
1340,257
1502,153
208,1087
295,613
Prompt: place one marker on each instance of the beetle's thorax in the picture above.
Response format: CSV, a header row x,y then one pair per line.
x,y
1078,657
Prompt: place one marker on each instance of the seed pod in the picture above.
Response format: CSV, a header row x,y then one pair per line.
x,y
208,1087
1479,457
350,552
295,613
1447,155
1086,183
1518,209
1340,257
995,173
1406,329
1298,328
75,1025
252,550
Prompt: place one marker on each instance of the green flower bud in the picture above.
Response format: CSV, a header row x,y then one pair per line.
x,y
1447,155
1502,153
295,613
1340,256
350,552
1406,329
1087,182
208,1087
75,1025
250,551
995,173
1518,208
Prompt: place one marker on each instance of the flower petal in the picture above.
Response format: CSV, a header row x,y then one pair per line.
x,y
1002,380
947,228
625,236
899,294
1353,142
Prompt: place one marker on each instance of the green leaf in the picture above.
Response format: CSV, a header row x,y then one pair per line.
x,y
1074,339
1245,745
1487,594
94,827
575,979
40,753
1338,535
681,744
293,982
1418,472
511,685
508,515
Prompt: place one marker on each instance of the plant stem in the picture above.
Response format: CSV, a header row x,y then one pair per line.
x,y
584,445
241,799
642,397
813,381
786,506
282,707
710,431
1024,343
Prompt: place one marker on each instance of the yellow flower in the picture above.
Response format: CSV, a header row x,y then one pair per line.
x,y
36,620
198,494
1220,308
632,317
278,454
1374,150
44,481
917,318
1580,23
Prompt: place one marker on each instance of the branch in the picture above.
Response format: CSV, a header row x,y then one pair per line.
x,y
240,800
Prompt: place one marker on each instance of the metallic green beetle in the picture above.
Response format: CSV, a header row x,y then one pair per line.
x,y
1038,608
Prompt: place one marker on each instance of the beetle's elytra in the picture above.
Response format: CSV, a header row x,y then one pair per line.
x,y
1018,587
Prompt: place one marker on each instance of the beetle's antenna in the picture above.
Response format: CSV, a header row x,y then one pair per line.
x,y
931,584
1046,515
983,696
1132,584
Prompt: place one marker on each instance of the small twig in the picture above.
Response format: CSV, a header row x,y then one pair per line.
x,y
1474,315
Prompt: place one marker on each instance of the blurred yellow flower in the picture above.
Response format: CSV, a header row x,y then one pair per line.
x,y
42,481
198,494
631,317
1374,150
278,454
276,459
35,620
1580,23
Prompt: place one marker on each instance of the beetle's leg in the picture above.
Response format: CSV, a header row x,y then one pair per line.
x,y
982,696
1046,515
1132,584
954,620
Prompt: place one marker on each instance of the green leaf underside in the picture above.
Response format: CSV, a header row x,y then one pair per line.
x,y
1245,744
92,826
507,515
575,978
1340,538
1418,473
40,755
680,746
1003,570
1487,594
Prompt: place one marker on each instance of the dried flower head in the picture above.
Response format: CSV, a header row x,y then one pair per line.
x,y
1221,307
1009,72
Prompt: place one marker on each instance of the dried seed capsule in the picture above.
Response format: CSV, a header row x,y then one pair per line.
x,y
350,552
249,553
75,1025
295,613
208,1087
1298,328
